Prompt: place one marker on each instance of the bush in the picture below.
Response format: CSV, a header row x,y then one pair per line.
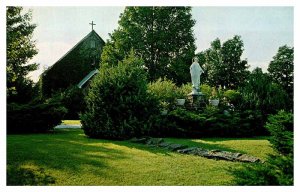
x,y
164,90
73,100
185,89
281,129
279,168
212,122
32,118
233,97
118,104
206,90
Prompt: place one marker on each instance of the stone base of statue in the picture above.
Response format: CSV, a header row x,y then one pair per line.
x,y
196,100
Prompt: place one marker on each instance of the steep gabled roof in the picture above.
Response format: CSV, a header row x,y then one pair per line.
x,y
93,32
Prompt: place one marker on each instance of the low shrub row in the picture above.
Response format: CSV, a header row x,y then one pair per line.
x,y
212,122
34,118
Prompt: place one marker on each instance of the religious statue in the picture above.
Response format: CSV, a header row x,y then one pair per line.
x,y
196,72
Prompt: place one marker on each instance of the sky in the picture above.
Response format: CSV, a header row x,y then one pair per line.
x,y
262,29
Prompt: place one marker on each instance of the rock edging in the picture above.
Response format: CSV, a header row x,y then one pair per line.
x,y
198,151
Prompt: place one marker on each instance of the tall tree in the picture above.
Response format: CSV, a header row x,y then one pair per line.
x,y
20,49
260,93
223,63
162,36
281,68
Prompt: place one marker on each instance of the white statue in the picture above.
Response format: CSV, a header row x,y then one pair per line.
x,y
196,72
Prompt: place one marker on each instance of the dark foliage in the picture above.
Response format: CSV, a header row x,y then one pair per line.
x,y
281,128
118,104
73,100
73,66
260,93
212,122
34,118
281,69
20,50
18,176
279,168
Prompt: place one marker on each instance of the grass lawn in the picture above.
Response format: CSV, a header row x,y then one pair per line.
x,y
71,122
68,157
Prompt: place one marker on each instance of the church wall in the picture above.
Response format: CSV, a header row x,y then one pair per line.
x,y
72,68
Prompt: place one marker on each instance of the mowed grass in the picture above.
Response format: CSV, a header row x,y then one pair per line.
x,y
68,157
71,122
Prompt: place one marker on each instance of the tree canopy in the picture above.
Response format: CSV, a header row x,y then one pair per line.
x,y
161,36
222,63
281,68
20,49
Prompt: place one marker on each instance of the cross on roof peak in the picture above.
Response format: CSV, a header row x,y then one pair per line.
x,y
92,25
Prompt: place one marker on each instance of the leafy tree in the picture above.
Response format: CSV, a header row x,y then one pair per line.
x,y
162,36
20,49
260,93
281,68
222,63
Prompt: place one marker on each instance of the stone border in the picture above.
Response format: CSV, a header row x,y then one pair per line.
x,y
198,151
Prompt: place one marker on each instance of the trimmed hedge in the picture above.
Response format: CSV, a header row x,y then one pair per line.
x,y
212,122
34,118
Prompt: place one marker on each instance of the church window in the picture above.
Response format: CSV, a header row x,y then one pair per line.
x,y
93,44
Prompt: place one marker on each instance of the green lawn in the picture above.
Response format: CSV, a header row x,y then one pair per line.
x,y
71,122
68,157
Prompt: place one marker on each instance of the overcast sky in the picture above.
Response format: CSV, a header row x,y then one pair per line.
x,y
263,29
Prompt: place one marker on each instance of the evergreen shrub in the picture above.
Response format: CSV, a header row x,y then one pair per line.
x,y
279,167
73,100
277,170
118,105
213,122
280,126
34,118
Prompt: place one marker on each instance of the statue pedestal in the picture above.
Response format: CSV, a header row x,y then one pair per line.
x,y
196,100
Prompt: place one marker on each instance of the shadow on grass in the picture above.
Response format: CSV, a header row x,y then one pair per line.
x,y
218,139
205,143
64,150
17,176
187,142
69,152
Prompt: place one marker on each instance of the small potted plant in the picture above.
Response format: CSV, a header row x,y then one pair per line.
x,y
180,96
164,106
214,98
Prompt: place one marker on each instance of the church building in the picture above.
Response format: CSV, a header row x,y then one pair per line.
x,y
73,67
